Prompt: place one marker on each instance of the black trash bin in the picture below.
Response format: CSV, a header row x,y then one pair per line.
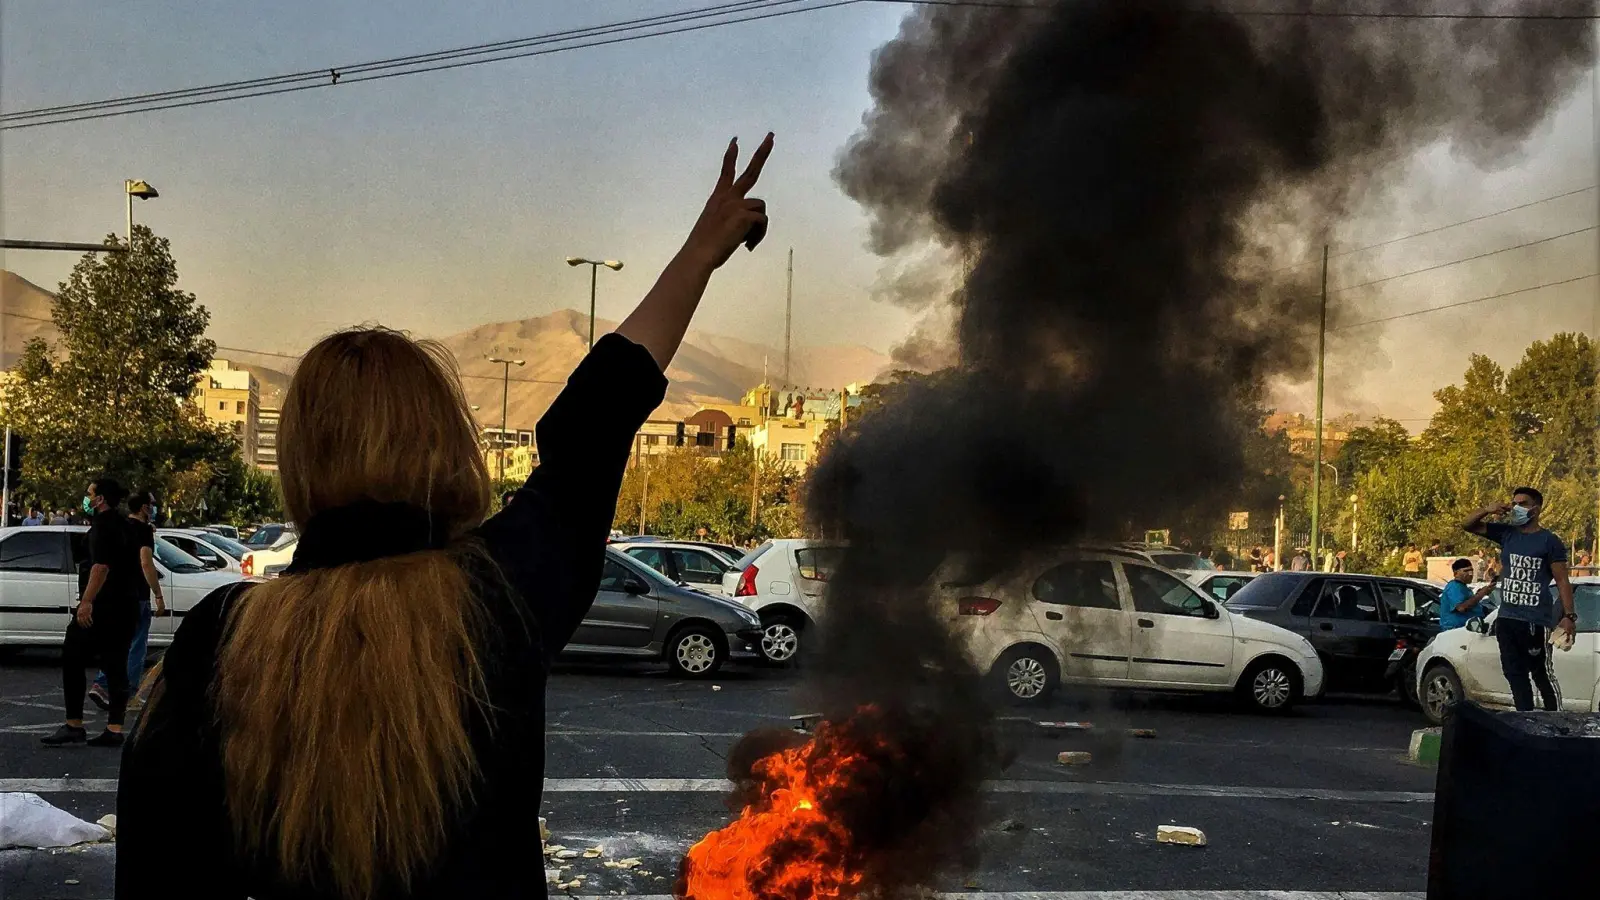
x,y
1517,806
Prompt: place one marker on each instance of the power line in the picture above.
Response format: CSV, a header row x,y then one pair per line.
x,y
1460,303
594,36
1466,259
582,38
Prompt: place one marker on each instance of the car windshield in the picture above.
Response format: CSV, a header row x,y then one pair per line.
x,y
264,536
1266,591
640,568
177,561
752,556
227,545
1189,561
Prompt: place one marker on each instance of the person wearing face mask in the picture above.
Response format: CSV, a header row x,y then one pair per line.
x,y
1530,558
104,622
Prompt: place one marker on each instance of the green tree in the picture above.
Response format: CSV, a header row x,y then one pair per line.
x,y
1552,395
1370,445
683,491
113,395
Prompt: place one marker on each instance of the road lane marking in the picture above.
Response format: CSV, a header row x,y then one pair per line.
x,y
719,786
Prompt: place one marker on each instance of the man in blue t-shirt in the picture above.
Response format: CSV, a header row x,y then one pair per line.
x,y
1530,558
1459,604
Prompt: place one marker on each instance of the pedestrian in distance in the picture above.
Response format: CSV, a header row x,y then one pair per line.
x,y
1301,561
143,535
1460,604
33,518
1480,565
1412,561
104,621
371,723
60,518
1530,559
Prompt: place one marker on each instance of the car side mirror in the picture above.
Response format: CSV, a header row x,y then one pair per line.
x,y
635,587
1210,608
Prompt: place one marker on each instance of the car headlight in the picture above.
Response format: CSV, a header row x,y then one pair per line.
x,y
750,618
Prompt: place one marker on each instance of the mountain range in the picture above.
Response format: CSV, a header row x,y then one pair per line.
x,y
709,368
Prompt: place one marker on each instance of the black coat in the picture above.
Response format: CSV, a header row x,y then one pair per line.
x,y
174,839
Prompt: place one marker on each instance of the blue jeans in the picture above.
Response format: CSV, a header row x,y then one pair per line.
x,y
136,651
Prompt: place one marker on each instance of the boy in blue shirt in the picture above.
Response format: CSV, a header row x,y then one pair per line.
x,y
1459,604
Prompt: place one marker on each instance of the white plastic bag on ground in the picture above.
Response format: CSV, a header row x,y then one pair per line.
x,y
26,820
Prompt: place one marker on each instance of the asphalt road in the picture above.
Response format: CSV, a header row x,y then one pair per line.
x,y
1321,801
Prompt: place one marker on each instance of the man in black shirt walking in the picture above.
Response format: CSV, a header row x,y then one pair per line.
x,y
103,625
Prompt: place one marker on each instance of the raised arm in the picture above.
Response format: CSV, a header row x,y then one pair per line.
x,y
661,318
1475,523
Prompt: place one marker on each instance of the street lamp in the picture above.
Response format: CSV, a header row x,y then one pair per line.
x,y
1335,469
505,394
594,265
143,191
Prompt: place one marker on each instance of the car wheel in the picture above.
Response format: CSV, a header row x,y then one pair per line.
x,y
1441,691
1026,675
1271,686
780,639
694,652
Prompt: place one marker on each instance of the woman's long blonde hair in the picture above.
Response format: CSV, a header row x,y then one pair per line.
x,y
344,693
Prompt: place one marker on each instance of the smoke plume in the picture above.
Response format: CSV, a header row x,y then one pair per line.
x,y
1125,180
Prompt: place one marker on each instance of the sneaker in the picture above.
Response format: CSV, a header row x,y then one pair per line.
x,y
99,697
107,739
66,734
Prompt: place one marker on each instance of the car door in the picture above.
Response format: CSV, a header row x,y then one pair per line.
x,y
813,566
699,568
623,616
1349,632
38,587
1079,606
1176,641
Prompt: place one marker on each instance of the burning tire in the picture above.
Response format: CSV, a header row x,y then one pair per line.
x,y
780,639
1026,675
1271,685
695,652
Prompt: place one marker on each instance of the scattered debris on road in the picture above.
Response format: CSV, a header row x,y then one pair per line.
x,y
1180,834
1145,733
1074,757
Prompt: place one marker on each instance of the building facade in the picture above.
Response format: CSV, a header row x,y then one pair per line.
x,y
232,397
267,439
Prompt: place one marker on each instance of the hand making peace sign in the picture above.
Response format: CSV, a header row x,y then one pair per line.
x,y
730,217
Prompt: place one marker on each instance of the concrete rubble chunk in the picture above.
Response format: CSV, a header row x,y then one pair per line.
x,y
1180,834
1066,726
109,823
631,862
593,853
1074,757
1146,733
567,854
544,829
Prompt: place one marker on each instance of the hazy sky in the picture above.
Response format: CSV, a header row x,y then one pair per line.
x,y
440,201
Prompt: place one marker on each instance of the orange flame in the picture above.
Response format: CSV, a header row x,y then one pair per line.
x,y
788,842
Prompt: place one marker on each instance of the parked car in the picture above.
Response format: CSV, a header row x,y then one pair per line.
x,y
1464,663
1220,586
783,581
638,613
728,550
1168,557
1359,624
269,562
683,563
270,537
1106,619
227,531
39,583
211,548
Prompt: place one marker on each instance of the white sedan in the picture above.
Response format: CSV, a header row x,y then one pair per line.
x,y
1464,663
39,583
1109,620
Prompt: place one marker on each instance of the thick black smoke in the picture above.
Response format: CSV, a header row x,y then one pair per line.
x,y
1125,179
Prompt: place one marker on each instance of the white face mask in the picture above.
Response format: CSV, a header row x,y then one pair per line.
x,y
1518,515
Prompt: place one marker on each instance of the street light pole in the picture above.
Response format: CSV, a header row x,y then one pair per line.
x,y
594,265
136,188
505,397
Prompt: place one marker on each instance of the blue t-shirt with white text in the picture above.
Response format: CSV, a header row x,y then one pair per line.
x,y
1525,574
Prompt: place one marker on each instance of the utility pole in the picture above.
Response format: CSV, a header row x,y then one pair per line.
x,y
644,496
1316,472
1594,330
755,488
788,320
5,495
505,398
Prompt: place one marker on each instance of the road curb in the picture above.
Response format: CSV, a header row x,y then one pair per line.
x,y
1425,746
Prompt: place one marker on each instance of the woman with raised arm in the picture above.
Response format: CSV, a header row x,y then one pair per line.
x,y
371,724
